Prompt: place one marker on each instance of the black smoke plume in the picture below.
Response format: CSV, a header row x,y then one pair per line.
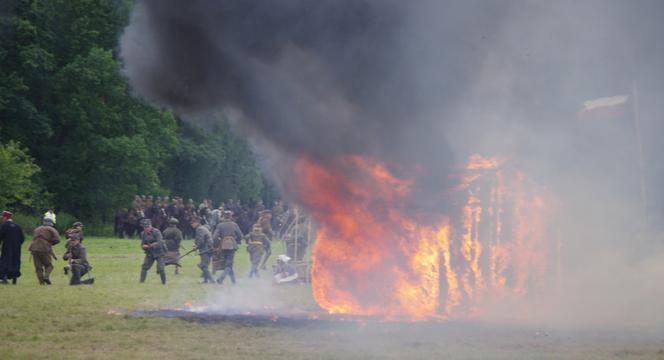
x,y
429,82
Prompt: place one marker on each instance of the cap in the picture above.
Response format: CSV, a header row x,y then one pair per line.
x,y
283,258
7,214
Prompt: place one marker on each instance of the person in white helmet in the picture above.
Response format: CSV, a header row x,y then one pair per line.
x,y
285,272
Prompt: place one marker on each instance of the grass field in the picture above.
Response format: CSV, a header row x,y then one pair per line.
x,y
63,322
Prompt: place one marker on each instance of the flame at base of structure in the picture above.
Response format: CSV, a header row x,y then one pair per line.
x,y
373,257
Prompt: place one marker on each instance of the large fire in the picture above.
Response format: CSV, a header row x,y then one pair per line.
x,y
374,256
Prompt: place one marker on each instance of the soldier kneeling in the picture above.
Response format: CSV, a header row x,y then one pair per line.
x,y
78,262
284,273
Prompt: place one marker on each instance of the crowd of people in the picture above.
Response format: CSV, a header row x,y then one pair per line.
x,y
162,224
217,233
159,209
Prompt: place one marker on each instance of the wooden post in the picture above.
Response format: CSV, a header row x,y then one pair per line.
x,y
639,148
297,215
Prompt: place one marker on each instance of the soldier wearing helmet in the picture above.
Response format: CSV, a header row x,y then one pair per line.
x,y
225,239
154,247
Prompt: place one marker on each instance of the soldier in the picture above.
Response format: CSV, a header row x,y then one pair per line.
x,y
73,233
11,238
256,242
203,241
225,240
277,212
78,261
43,240
189,213
155,249
285,273
265,222
50,214
173,239
215,218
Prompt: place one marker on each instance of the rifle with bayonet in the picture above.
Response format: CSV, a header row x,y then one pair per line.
x,y
195,249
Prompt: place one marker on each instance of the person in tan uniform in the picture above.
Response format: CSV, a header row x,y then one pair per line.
x,y
265,222
43,240
256,243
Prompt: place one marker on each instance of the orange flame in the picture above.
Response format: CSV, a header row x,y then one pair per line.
x,y
372,257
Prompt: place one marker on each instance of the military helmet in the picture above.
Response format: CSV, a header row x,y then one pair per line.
x,y
173,221
228,214
283,258
257,227
77,224
146,222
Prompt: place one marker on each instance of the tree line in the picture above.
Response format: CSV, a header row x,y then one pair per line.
x,y
73,136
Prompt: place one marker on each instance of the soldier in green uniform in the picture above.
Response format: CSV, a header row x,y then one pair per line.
x,y
73,233
203,241
154,247
173,238
256,242
226,237
43,240
77,257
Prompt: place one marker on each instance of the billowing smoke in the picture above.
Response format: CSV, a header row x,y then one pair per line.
x,y
429,82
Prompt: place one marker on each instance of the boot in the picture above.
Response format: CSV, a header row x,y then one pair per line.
x,y
222,277
162,275
47,281
232,274
144,274
89,281
14,281
208,278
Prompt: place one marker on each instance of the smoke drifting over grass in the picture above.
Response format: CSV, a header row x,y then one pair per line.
x,y
430,82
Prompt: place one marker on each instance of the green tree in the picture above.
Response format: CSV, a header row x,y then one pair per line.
x,y
18,186
64,97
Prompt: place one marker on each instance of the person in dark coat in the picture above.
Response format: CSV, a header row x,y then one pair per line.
x,y
11,239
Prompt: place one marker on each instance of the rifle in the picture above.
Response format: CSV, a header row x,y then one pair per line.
x,y
194,249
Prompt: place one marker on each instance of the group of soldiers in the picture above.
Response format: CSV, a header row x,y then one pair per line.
x,y
162,225
45,237
160,209
216,241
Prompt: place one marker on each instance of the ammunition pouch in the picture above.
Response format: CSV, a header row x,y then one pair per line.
x,y
228,243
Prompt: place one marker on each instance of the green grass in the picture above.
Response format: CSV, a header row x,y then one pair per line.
x,y
63,322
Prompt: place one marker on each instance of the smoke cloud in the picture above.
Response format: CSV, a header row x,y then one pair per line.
x,y
430,82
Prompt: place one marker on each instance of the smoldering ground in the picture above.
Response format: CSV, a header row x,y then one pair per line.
x,y
429,82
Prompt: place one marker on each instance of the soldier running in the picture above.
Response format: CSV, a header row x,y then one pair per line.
x,y
226,238
155,249
203,241
173,239
43,240
265,222
256,243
